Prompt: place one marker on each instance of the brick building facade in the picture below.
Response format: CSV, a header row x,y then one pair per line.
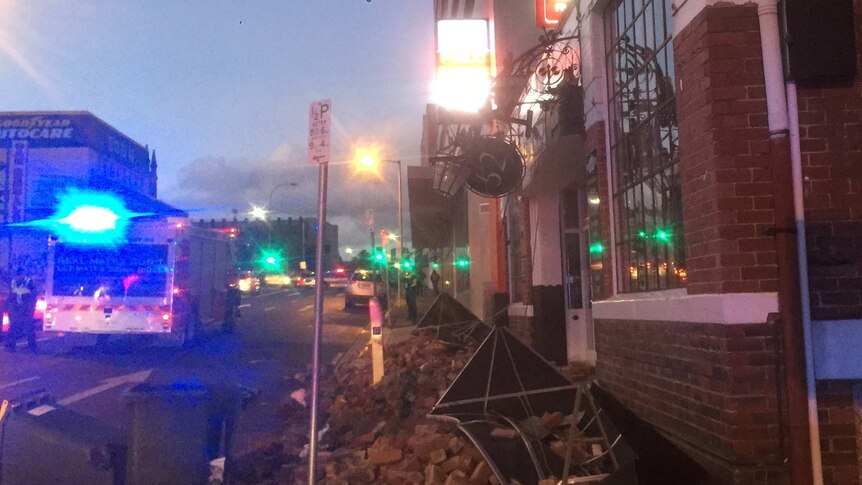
x,y
698,157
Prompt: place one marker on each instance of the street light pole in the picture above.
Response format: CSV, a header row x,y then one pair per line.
x,y
400,247
272,192
269,209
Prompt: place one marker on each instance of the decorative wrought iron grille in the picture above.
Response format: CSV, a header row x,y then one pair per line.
x,y
644,145
525,85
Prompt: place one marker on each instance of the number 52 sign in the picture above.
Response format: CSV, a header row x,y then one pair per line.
x,y
319,127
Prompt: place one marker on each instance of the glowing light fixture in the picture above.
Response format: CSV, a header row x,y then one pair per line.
x,y
464,65
258,212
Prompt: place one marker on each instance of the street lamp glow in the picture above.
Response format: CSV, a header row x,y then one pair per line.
x,y
367,160
349,250
258,212
392,237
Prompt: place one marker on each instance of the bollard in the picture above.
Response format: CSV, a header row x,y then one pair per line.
x,y
376,340
169,437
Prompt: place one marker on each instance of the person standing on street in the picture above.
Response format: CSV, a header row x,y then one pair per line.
x,y
20,306
231,310
435,281
420,283
410,289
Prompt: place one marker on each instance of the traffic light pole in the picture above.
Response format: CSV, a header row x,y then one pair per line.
x,y
318,323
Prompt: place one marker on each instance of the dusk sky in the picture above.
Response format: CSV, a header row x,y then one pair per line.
x,y
221,89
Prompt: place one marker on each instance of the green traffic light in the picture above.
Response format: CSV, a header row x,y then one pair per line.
x,y
597,248
462,262
270,260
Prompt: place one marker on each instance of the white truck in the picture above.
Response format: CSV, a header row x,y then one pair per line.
x,y
166,279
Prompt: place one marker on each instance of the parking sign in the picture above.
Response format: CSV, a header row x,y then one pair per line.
x,y
319,126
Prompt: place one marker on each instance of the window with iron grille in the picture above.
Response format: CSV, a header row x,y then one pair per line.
x,y
644,145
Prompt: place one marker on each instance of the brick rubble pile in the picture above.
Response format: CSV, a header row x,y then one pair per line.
x,y
381,434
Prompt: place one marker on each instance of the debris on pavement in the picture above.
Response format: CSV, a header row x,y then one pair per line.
x,y
386,433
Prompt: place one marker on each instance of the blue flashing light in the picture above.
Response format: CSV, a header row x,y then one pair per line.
x,y
91,219
86,216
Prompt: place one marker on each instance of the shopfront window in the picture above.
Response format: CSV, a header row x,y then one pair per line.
x,y
644,145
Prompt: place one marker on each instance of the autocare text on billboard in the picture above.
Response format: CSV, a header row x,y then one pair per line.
x,y
59,130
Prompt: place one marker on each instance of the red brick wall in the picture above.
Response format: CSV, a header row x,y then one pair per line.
x,y
838,433
713,389
724,153
595,142
830,129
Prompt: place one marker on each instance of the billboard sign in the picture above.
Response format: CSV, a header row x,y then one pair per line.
x,y
550,12
70,129
464,64
17,180
319,131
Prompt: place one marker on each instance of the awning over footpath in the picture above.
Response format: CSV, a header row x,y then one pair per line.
x,y
560,165
431,215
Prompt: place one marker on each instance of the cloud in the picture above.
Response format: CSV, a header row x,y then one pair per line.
x,y
212,187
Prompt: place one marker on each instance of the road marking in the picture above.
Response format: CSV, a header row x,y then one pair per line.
x,y
279,292
245,305
295,293
269,309
23,343
306,307
22,381
107,384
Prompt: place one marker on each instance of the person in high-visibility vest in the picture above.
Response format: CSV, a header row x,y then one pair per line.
x,y
21,305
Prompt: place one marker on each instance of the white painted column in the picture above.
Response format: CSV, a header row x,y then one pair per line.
x,y
545,240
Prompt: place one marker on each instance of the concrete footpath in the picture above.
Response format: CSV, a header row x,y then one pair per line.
x,y
401,327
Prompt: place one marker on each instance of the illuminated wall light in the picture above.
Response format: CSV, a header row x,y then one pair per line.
x,y
594,200
464,65
549,12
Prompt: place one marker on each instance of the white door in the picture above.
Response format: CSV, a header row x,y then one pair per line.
x,y
579,335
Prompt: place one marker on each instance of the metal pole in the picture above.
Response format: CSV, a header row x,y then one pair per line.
x,y
400,230
318,323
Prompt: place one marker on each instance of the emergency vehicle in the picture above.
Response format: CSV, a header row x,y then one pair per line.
x,y
166,278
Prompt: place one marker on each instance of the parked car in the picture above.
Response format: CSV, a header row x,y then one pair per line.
x,y
309,281
336,278
306,278
277,279
248,283
362,286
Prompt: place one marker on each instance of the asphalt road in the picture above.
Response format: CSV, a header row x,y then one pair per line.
x,y
272,341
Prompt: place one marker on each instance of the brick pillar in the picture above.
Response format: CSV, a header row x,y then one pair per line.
x,y
725,160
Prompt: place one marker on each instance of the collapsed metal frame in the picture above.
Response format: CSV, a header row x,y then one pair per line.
x,y
478,414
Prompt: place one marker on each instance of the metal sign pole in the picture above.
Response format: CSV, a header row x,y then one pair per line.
x,y
318,322
319,150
